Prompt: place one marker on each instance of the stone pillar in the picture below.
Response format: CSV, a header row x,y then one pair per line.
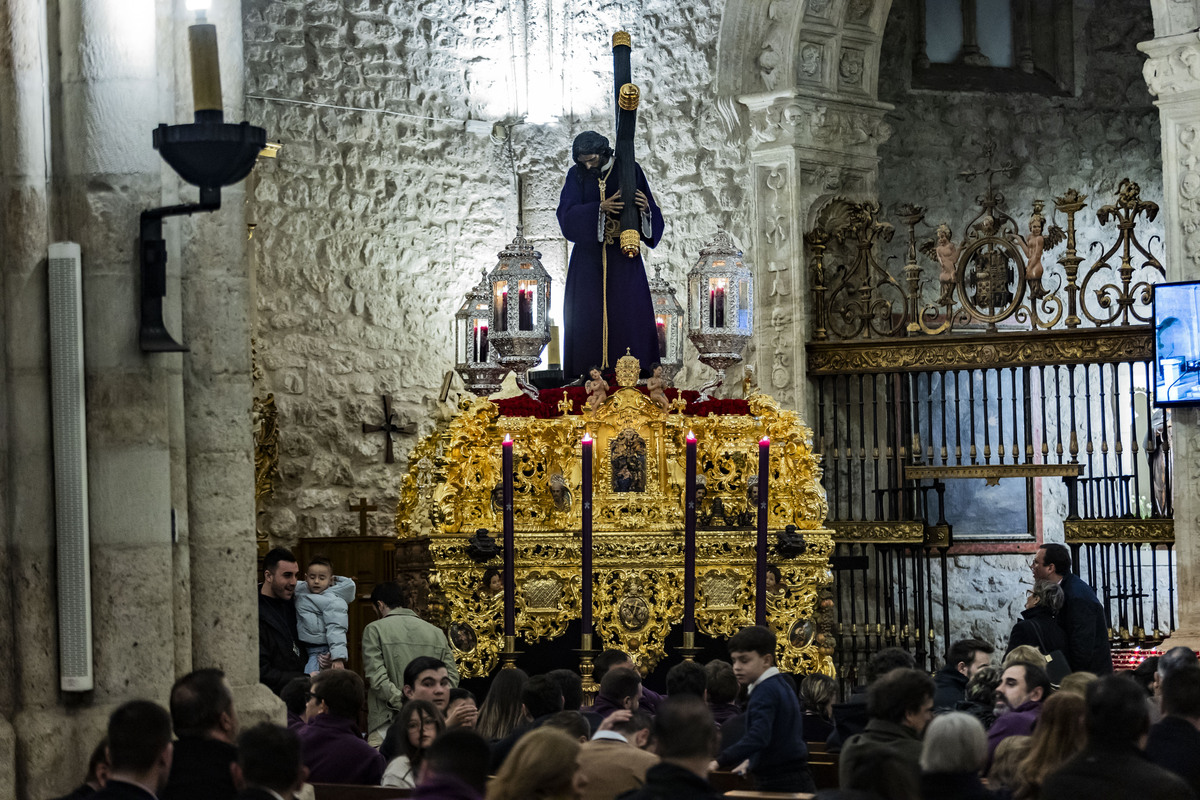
x,y
27,632
804,149
215,297
1171,76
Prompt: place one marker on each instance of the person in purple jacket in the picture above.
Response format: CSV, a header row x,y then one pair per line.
x,y
1019,697
332,746
772,749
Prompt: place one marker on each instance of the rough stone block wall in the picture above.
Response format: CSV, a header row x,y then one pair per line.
x,y
378,216
1105,131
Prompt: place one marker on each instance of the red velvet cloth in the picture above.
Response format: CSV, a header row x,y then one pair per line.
x,y
547,406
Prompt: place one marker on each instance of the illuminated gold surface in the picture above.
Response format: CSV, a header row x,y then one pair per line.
x,y
1153,531
621,38
638,535
629,97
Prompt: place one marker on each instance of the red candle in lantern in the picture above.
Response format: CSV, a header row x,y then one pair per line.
x,y
501,318
661,324
525,309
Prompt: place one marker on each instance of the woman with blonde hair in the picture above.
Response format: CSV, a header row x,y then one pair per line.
x,y
502,713
543,765
1059,735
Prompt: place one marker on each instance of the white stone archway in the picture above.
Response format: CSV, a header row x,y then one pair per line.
x,y
804,77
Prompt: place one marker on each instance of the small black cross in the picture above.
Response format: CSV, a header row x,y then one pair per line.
x,y
389,427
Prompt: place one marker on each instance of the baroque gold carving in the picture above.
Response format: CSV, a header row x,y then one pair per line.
x,y
266,447
1099,531
879,532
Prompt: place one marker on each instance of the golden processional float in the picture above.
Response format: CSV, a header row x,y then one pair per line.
x,y
601,489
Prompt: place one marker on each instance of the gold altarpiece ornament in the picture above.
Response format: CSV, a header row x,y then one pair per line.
x,y
453,486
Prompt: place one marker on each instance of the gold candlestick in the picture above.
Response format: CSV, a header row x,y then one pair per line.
x,y
689,651
206,68
586,667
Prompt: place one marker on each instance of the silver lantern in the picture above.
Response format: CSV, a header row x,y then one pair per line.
x,y
668,322
720,305
519,296
474,357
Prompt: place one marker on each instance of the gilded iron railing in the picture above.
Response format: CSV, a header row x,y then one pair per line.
x,y
996,368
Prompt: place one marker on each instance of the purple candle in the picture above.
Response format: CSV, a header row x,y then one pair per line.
x,y
689,538
760,572
510,585
500,318
586,538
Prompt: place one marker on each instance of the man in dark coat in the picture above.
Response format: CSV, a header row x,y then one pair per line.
x,y
686,740
1112,766
598,270
280,657
1082,618
139,752
900,705
964,658
206,726
1174,743
268,765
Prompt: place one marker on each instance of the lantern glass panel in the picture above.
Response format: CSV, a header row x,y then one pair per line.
x,y
526,297
716,302
743,304
500,318
660,326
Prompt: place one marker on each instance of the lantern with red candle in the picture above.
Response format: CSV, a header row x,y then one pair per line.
x,y
519,330
720,305
474,360
668,322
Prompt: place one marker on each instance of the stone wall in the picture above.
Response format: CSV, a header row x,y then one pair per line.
x,y
373,223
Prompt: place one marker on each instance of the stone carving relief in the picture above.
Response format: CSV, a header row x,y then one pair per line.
x,y
811,61
819,8
1189,189
851,68
860,11
768,63
814,124
781,360
775,243
1172,72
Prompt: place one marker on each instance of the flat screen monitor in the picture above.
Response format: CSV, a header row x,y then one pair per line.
x,y
1177,344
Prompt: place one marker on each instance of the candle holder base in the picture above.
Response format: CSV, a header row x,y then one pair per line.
x,y
711,386
688,649
508,656
587,654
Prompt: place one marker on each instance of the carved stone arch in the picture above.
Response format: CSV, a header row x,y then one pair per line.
x,y
762,45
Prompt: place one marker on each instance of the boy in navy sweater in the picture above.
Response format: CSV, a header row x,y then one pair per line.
x,y
772,749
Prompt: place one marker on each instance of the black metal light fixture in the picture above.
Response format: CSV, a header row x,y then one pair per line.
x,y
208,153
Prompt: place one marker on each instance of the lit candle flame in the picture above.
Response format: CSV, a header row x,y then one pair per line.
x,y
587,438
691,436
507,439
764,442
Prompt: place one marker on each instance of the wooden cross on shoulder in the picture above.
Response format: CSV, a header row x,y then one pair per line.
x,y
388,428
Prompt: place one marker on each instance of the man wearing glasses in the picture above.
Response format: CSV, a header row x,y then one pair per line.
x,y
1082,618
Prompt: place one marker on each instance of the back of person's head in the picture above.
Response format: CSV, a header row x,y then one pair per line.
x,y
460,753
571,722
1176,658
570,683
606,661
687,677
886,660
138,733
500,712
638,721
414,668
720,682
1077,683
274,556
753,639
1146,673
684,729
963,651
1181,693
1117,712
97,769
898,693
341,690
817,692
294,694
396,741
621,684
880,772
981,687
1058,736
389,593
1049,595
269,756
1057,556
198,700
1006,762
541,696
1024,654
541,765
954,742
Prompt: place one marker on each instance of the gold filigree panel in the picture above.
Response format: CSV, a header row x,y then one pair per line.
x,y
1131,531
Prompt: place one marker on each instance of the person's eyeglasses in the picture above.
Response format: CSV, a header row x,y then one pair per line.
x,y
313,696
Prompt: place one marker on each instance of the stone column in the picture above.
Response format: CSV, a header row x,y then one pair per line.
x,y
804,148
27,632
1171,75
215,297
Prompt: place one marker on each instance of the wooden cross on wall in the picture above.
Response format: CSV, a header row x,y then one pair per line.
x,y
388,428
363,509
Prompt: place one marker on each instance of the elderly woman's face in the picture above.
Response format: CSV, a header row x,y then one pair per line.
x,y
1031,599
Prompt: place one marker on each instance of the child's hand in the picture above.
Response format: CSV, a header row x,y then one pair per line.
x,y
323,660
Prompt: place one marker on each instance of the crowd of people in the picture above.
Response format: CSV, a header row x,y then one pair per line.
x,y
1018,726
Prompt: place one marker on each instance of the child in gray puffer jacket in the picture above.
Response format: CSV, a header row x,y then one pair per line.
x,y
322,612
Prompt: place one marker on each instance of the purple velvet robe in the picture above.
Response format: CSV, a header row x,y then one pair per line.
x,y
630,312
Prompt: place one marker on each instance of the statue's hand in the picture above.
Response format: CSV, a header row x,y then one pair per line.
x,y
612,204
642,202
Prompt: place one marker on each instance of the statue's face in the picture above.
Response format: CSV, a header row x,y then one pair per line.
x,y
591,161
595,374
